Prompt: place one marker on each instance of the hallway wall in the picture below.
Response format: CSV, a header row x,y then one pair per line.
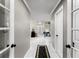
x,y
22,29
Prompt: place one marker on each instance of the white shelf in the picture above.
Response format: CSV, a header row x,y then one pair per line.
x,y
1,5
4,28
24,1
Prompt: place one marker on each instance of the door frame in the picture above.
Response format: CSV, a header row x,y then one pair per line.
x,y
69,28
57,12
11,32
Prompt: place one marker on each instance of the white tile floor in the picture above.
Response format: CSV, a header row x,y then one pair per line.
x,y
41,41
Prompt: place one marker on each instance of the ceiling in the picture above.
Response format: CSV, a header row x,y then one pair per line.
x,y
41,6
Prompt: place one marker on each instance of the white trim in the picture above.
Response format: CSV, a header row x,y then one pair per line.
x,y
4,28
75,49
2,51
59,10
11,33
27,5
69,28
55,7
75,10
1,5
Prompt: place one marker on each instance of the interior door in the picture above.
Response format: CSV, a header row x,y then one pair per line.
x,y
75,29
6,34
59,32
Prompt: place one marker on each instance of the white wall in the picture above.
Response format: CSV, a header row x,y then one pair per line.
x,y
22,29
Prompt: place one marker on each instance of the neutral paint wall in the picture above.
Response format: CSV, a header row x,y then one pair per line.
x,y
64,3
22,29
